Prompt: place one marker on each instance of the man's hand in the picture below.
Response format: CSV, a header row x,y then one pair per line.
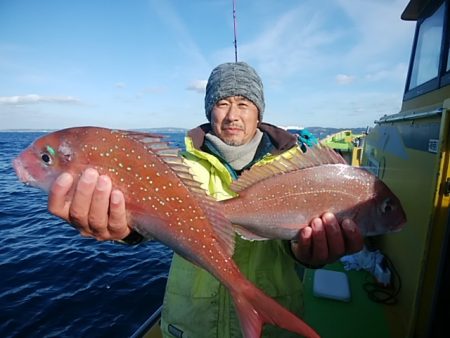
x,y
94,209
325,240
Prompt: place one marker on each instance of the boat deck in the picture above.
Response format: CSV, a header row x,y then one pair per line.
x,y
360,317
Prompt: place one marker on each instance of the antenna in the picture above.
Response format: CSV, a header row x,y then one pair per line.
x,y
235,35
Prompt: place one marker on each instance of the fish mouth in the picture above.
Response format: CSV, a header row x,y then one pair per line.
x,y
402,220
21,172
399,226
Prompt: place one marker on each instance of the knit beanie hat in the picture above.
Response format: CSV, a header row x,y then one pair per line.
x,y
234,79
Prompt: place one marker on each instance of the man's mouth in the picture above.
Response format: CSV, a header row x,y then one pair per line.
x,y
233,129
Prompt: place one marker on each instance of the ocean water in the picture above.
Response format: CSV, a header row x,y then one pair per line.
x,y
56,283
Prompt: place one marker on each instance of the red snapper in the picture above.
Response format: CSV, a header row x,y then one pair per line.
x,y
278,199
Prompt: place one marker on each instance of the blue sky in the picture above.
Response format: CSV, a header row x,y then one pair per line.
x,y
144,63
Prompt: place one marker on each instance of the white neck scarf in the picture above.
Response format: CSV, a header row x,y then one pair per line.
x,y
237,156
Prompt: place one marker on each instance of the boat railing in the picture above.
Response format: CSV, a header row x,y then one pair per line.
x,y
409,116
148,324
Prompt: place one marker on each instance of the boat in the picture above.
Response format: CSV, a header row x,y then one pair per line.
x,y
409,151
348,144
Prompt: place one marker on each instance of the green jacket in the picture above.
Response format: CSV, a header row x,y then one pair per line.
x,y
195,304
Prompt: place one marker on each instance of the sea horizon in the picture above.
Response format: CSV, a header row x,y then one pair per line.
x,y
312,129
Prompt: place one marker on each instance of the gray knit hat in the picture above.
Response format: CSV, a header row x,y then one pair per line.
x,y
234,79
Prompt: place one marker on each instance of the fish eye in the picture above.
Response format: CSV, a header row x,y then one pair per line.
x,y
386,206
46,158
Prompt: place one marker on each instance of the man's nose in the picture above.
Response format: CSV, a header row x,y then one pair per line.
x,y
233,112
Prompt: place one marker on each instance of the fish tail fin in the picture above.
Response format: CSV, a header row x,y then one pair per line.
x,y
255,308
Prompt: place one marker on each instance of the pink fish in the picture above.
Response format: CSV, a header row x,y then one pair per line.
x,y
163,202
277,200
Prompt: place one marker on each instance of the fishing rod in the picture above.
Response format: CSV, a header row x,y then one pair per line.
x,y
235,35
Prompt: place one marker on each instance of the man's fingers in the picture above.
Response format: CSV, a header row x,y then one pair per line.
x,y
117,223
98,212
336,244
302,247
79,209
93,209
319,244
353,238
58,203
325,240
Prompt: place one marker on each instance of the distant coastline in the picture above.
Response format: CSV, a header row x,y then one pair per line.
x,y
183,130
148,130
319,132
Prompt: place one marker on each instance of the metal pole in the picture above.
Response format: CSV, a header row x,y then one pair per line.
x,y
235,35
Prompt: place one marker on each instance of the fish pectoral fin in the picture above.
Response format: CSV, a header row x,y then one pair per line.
x,y
223,229
247,234
151,228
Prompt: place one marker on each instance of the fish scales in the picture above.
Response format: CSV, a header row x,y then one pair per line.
x,y
278,203
291,193
163,202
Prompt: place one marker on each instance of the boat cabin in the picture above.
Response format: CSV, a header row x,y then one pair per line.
x,y
410,152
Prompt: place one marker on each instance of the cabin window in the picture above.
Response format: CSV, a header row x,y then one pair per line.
x,y
428,49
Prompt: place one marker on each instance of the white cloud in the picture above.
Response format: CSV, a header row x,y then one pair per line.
x,y
285,48
120,85
384,40
320,44
337,109
343,79
198,86
34,99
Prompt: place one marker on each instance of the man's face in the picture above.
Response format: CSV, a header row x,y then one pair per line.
x,y
234,120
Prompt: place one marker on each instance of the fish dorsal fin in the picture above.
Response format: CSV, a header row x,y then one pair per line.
x,y
315,156
155,143
172,157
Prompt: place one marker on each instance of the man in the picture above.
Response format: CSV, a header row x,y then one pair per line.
x,y
195,303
